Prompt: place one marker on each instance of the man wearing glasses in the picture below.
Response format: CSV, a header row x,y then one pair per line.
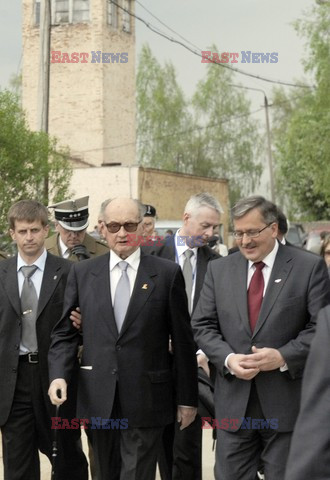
x,y
72,240
131,303
255,321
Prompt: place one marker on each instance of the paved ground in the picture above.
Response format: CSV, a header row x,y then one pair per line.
x,y
208,459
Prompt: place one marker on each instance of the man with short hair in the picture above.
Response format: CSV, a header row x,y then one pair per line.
x,y
255,321
72,240
31,297
131,303
182,453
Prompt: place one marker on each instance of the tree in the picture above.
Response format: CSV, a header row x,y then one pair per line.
x,y
26,158
302,126
209,135
230,142
161,114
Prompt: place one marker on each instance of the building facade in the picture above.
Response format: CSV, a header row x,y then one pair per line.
x,y
92,77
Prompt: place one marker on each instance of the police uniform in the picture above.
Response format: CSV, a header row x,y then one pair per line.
x,y
73,215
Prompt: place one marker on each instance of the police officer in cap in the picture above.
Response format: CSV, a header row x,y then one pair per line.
x,y
71,240
149,220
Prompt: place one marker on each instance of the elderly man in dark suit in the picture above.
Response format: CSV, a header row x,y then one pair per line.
x,y
255,321
182,450
25,409
131,304
309,456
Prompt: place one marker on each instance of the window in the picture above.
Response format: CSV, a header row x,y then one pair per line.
x,y
65,11
113,14
37,12
126,16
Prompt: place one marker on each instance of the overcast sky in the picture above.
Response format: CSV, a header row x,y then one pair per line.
x,y
235,25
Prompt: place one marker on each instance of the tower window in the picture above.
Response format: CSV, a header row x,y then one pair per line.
x,y
126,16
65,11
112,14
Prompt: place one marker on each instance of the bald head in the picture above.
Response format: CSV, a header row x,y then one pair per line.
x,y
125,216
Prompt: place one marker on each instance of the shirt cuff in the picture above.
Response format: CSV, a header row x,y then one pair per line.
x,y
226,363
284,368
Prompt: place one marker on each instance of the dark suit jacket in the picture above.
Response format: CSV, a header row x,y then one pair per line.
x,y
309,456
298,288
137,361
49,312
204,255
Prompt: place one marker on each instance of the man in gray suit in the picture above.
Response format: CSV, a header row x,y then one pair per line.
x,y
255,321
310,453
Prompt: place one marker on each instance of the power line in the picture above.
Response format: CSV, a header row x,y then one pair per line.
x,y
197,53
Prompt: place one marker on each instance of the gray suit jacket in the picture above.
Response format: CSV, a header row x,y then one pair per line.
x,y
298,288
310,448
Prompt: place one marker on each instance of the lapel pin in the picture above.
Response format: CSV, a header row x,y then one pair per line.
x,y
278,280
55,277
144,286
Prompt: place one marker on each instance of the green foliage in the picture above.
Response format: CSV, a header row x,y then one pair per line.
x,y
26,159
210,135
302,127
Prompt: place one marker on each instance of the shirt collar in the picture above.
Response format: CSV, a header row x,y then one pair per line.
x,y
62,246
133,260
181,246
270,258
40,262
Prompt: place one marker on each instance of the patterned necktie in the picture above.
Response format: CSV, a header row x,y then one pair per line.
x,y
188,275
29,307
255,294
122,296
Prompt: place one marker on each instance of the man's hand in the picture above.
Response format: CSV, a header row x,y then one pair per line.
x,y
185,416
57,391
81,252
75,318
264,359
236,364
203,362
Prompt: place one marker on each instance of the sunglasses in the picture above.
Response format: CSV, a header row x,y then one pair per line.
x,y
114,227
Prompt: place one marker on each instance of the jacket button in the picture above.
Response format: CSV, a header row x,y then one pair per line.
x,y
16,347
114,371
15,370
118,347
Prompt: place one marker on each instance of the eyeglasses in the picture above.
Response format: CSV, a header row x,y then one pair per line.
x,y
250,233
114,227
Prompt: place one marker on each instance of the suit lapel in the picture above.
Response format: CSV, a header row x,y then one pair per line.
x,y
240,291
50,279
101,283
10,283
143,288
280,272
201,267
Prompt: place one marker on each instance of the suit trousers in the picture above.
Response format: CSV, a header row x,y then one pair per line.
x,y
240,454
180,457
127,454
28,429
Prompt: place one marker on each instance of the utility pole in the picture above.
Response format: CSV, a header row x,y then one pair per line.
x,y
44,74
269,144
270,158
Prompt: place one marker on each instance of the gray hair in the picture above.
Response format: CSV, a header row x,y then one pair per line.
x,y
103,206
268,210
202,200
